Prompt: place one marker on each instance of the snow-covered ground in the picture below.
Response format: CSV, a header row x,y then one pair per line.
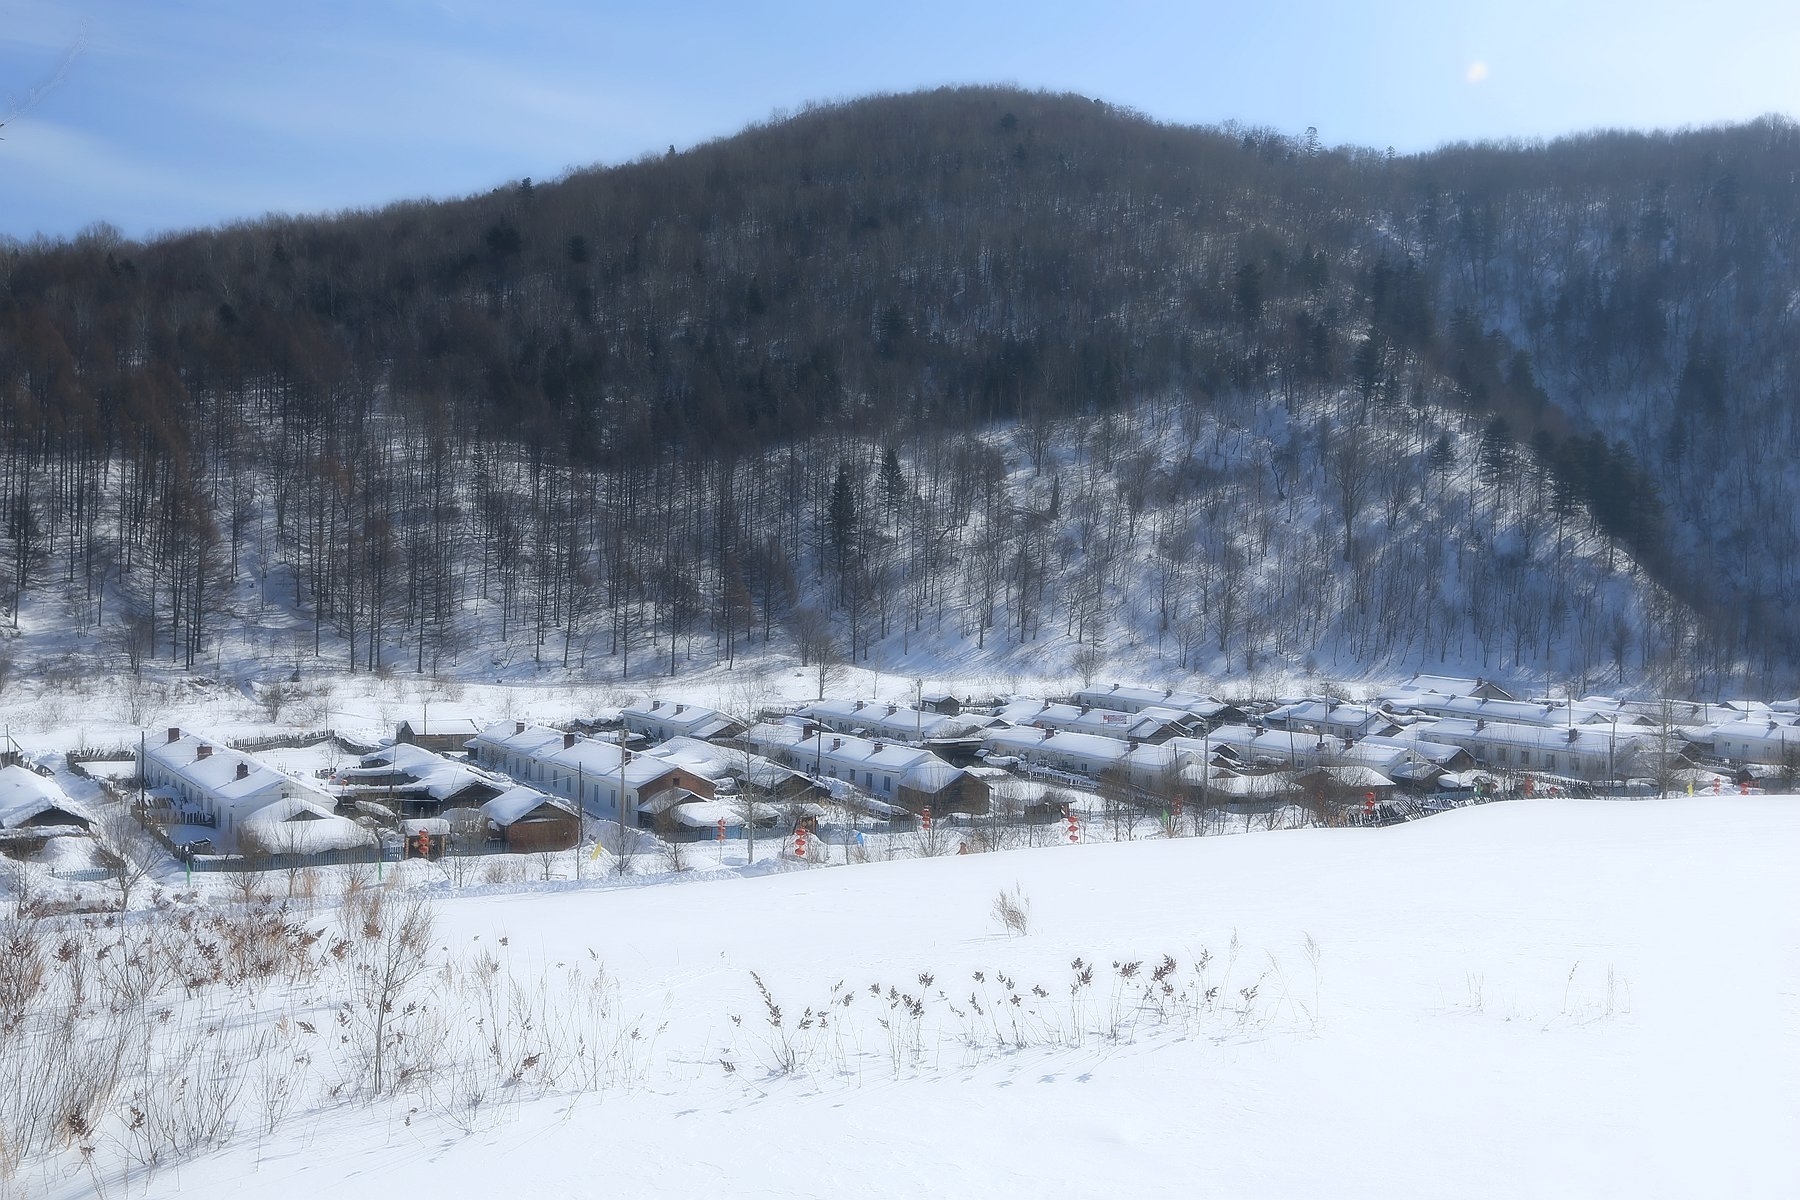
x,y
1551,998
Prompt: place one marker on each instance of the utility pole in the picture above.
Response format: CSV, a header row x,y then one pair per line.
x,y
622,795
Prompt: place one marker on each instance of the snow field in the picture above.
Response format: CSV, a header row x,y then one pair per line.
x,y
1557,998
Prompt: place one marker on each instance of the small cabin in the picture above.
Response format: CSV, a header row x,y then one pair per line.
x,y
529,822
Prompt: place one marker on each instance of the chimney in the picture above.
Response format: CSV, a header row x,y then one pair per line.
x,y
837,743
1574,734
518,727
568,741
880,746
892,709
243,770
174,733
680,707
204,751
859,705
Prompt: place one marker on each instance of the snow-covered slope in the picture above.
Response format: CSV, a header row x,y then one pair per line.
x,y
1533,999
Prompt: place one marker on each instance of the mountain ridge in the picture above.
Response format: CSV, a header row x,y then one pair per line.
x,y
833,291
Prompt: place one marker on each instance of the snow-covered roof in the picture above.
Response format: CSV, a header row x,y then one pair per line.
x,y
1517,712
439,777
443,720
706,814
1450,685
711,761
886,720
672,718
1042,742
1135,699
25,794
933,776
1229,783
517,803
1772,727
1328,714
519,737
1354,775
1103,722
864,753
1585,738
774,735
231,778
292,825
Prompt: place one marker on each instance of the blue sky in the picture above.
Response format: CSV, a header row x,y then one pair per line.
x,y
167,114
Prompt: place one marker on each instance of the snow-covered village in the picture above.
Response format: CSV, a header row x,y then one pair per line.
x,y
533,933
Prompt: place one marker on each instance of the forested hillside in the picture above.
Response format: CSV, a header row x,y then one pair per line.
x,y
968,368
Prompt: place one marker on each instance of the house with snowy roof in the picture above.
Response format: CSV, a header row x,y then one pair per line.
x,y
1451,685
1773,740
737,771
910,777
416,783
889,722
438,727
1515,712
591,772
660,720
1144,725
1136,699
1084,754
34,809
1345,781
529,822
193,773
1578,751
1331,718
300,826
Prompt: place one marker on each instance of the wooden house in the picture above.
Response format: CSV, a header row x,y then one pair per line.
x,y
446,730
33,809
528,822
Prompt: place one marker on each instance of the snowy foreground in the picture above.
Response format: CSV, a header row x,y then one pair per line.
x,y
1559,998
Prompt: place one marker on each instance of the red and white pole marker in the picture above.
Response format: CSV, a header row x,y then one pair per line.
x,y
800,843
1074,828
925,819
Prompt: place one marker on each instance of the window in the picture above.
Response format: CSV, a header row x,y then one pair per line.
x,y
1549,762
1524,758
887,783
